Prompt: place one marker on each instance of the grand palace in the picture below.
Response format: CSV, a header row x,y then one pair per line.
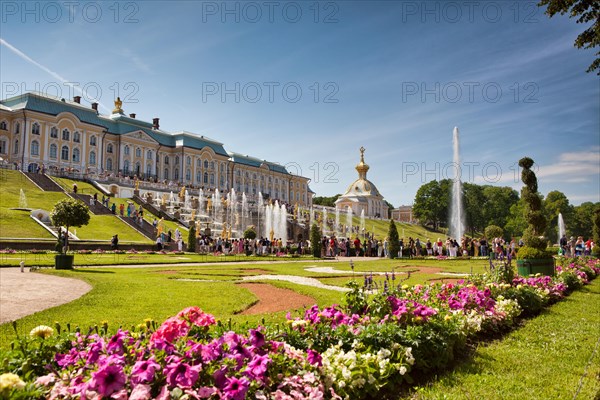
x,y
58,135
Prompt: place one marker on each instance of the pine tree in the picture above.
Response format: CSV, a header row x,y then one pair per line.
x,y
192,238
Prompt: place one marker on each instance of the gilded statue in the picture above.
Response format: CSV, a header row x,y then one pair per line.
x,y
118,104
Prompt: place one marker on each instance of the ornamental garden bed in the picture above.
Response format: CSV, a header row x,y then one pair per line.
x,y
370,347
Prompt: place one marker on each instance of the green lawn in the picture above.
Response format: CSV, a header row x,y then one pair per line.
x,y
155,292
553,356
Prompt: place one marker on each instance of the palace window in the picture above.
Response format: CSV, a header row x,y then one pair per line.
x,y
75,155
176,161
198,176
188,160
17,128
176,175
138,168
126,167
76,137
54,132
149,169
109,148
35,129
109,164
126,150
166,173
53,151
3,125
188,175
64,153
206,178
2,146
166,161
138,152
212,179
35,148
205,164
199,163
66,135
92,140
212,165
16,148
93,157
149,155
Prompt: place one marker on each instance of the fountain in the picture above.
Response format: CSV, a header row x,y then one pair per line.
x,y
457,214
348,220
562,230
336,229
244,212
22,200
362,222
201,204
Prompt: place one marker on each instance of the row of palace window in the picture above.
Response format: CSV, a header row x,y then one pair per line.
x,y
66,134
64,152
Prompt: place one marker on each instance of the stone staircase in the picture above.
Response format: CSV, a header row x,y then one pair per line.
x,y
97,209
153,209
43,182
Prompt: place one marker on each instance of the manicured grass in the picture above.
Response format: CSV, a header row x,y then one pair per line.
x,y
103,227
553,356
18,224
82,187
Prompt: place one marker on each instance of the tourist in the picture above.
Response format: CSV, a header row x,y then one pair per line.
x,y
92,203
75,188
483,246
386,250
429,247
440,246
418,247
114,208
114,242
401,252
159,243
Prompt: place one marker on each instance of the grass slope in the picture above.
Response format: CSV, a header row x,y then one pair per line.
x,y
18,224
553,356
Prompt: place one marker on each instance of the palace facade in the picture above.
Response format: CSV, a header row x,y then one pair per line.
x,y
39,131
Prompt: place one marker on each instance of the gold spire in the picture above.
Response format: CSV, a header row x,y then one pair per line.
x,y
361,167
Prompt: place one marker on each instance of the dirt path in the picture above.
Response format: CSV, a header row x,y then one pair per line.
x,y
273,299
22,294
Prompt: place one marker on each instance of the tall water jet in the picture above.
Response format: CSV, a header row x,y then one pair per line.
x,y
22,199
201,206
348,220
362,222
457,212
244,212
336,229
561,227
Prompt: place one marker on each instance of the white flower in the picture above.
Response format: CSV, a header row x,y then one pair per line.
x,y
41,331
9,381
402,370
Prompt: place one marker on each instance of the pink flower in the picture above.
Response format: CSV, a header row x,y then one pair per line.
x,y
143,371
141,392
108,380
170,330
236,389
181,375
197,317
314,357
257,367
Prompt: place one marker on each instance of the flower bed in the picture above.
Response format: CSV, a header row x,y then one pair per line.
x,y
367,348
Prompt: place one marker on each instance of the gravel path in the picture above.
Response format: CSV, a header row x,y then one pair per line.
x,y
273,299
299,280
24,293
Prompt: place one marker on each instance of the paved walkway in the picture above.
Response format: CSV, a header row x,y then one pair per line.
x,y
25,293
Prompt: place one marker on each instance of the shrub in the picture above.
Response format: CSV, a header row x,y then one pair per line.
x,y
315,240
532,252
394,240
192,238
533,207
250,233
493,231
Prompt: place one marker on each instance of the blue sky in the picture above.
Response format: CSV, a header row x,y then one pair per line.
x,y
308,83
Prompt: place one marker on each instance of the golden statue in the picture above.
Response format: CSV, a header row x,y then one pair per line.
x,y
159,227
193,215
182,192
163,201
208,205
118,104
137,184
198,228
224,232
271,235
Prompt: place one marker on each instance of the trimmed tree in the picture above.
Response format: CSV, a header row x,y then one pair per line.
x,y
250,234
191,247
493,231
315,240
69,213
393,239
533,235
